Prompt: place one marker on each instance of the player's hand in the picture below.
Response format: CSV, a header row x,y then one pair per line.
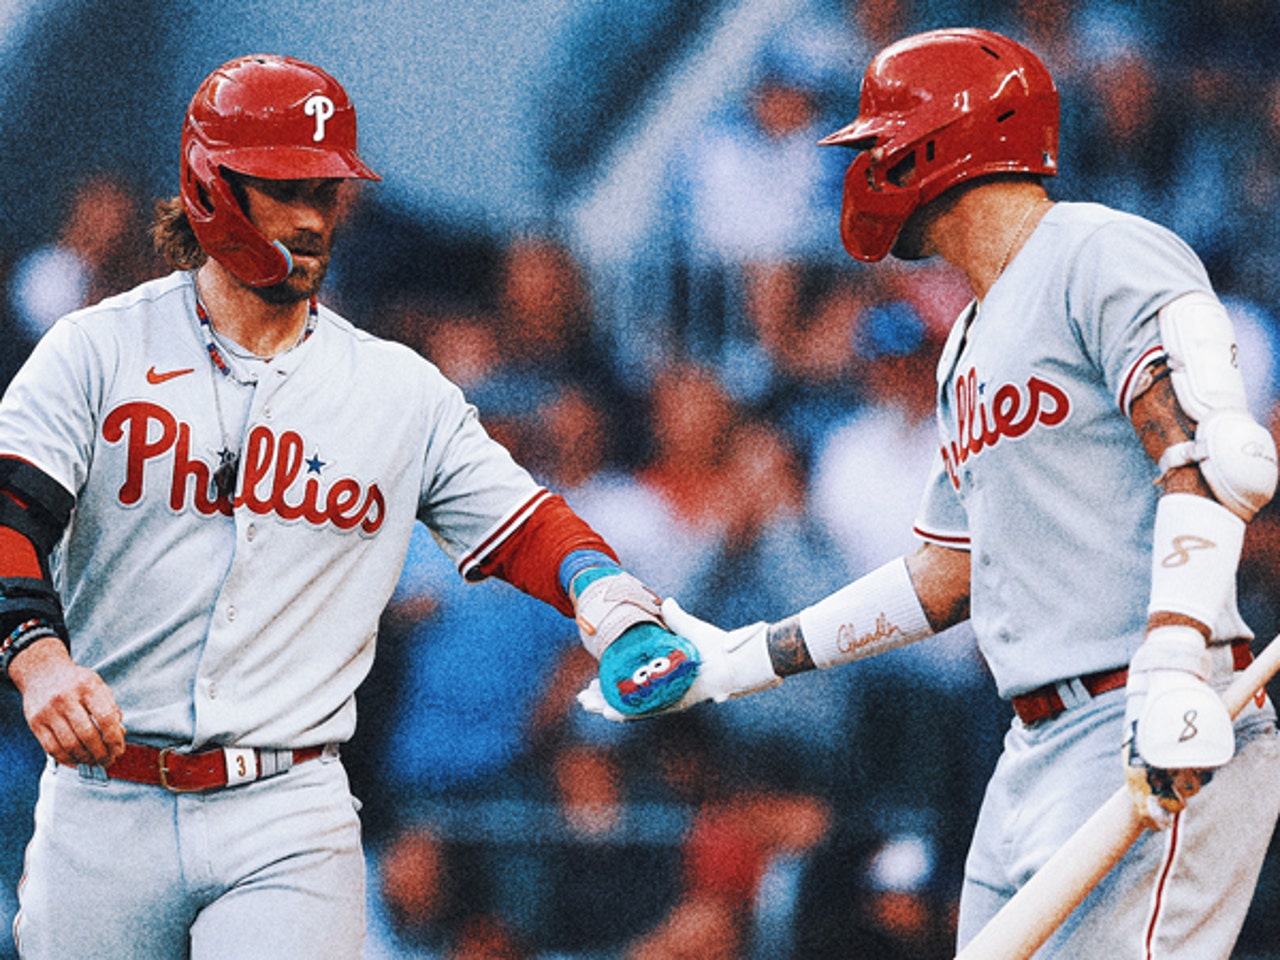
x,y
69,708
727,664
646,671
1177,729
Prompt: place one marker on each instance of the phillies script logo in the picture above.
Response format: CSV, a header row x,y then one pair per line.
x,y
1011,412
271,466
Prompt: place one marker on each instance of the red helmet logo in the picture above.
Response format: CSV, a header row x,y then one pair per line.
x,y
265,116
936,109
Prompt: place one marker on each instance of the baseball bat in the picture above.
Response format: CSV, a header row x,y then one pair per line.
x,y
1024,923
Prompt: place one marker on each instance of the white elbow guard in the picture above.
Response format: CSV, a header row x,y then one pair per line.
x,y
1236,454
1237,459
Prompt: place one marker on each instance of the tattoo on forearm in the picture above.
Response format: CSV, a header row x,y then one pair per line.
x,y
1150,375
1157,415
787,649
958,613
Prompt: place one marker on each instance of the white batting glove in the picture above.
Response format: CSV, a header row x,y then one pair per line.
x,y
732,664
1177,730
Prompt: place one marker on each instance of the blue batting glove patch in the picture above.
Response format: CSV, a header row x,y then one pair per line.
x,y
647,669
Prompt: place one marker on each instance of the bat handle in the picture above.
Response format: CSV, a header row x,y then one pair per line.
x,y
1250,681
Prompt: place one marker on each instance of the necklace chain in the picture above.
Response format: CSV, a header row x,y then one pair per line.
x,y
1017,234
228,469
215,355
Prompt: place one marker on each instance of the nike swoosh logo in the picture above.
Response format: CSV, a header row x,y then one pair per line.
x,y
154,376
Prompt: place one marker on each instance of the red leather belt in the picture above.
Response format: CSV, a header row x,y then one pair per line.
x,y
206,770
1045,703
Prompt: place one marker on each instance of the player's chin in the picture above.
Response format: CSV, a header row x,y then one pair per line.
x,y
303,282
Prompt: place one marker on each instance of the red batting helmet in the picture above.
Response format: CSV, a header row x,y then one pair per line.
x,y
265,116
936,109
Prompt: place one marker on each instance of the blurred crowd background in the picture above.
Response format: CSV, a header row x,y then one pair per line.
x,y
611,226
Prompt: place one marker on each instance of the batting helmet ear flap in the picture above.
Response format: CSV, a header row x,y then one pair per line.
x,y
222,228
871,219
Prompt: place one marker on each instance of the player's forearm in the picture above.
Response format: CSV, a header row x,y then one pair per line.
x,y
41,656
1217,467
899,603
880,611
787,650
940,577
1161,423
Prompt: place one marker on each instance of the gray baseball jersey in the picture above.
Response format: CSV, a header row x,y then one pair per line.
x,y
1041,474
249,623
1042,477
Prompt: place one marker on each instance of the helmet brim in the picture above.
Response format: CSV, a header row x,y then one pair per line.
x,y
859,135
295,163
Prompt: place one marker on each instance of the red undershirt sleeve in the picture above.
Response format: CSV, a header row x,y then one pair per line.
x,y
18,557
530,558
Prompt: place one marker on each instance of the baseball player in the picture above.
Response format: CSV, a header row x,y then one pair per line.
x,y
207,487
1097,468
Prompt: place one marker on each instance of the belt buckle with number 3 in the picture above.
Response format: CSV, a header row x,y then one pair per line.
x,y
242,765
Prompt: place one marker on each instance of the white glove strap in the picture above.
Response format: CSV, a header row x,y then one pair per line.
x,y
1173,648
875,613
1197,544
612,604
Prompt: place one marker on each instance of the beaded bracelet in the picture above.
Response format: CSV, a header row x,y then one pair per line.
x,y
23,636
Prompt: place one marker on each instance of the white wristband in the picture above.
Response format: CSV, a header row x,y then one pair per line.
x,y
875,613
1195,553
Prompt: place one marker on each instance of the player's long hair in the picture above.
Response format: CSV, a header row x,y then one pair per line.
x,y
173,237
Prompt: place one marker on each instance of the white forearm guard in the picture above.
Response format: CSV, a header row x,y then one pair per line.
x,y
875,613
1196,550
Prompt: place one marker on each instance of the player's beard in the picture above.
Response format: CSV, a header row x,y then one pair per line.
x,y
910,242
307,276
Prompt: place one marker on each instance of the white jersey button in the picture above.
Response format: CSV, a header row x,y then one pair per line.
x,y
250,532
231,613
